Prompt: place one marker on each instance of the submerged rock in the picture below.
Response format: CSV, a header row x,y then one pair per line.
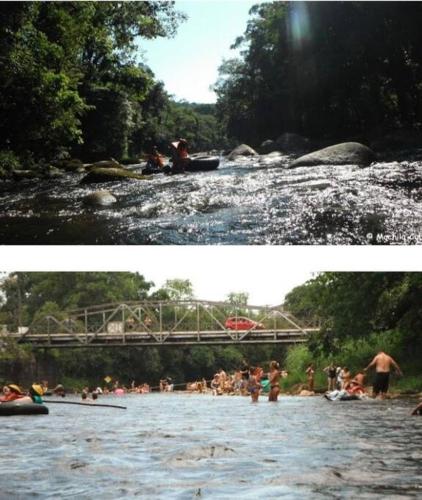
x,y
102,198
242,150
305,392
100,174
346,153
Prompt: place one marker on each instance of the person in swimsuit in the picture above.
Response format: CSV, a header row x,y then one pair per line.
x,y
383,364
274,377
254,386
331,371
310,373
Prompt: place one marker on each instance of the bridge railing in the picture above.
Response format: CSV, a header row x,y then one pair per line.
x,y
161,321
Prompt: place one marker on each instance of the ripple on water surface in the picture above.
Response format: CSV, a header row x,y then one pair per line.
x,y
253,202
182,446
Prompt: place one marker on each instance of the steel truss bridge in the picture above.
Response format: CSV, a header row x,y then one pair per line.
x,y
152,323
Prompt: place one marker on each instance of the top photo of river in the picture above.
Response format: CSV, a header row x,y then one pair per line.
x,y
210,123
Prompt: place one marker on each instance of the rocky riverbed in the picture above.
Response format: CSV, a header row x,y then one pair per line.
x,y
248,200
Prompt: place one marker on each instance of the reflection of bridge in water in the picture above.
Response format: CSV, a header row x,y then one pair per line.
x,y
164,323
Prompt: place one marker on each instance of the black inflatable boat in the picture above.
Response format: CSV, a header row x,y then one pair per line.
x,y
196,164
14,408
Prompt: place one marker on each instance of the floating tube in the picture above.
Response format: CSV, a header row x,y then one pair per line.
x,y
14,408
344,397
198,164
202,164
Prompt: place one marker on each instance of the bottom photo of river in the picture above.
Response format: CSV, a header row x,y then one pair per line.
x,y
217,383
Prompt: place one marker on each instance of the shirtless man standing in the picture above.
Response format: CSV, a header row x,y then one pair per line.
x,y
383,363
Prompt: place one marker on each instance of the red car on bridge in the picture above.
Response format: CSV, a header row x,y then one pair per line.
x,y
242,323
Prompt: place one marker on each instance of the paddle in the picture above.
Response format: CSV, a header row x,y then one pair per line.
x,y
82,404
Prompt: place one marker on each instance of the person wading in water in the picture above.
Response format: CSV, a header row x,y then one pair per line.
x,y
274,378
383,364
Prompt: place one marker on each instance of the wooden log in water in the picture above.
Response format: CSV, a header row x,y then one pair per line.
x,y
47,401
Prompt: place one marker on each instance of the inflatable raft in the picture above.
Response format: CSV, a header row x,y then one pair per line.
x,y
341,396
196,164
14,408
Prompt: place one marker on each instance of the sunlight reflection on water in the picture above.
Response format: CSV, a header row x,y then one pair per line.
x,y
251,202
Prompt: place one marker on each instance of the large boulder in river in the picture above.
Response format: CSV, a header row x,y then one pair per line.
x,y
102,198
100,174
268,146
346,153
293,143
242,150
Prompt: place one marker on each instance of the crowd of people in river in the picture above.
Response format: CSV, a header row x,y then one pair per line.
x,y
342,385
246,381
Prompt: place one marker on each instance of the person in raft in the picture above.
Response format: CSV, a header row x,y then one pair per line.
x,y
180,156
274,378
155,160
11,392
383,364
35,393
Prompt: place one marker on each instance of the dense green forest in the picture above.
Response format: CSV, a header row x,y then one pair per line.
x,y
359,314
326,70
70,84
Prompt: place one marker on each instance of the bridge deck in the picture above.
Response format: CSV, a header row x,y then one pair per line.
x,y
163,322
65,339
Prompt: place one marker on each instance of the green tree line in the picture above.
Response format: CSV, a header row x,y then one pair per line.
x,y
360,314
70,83
326,70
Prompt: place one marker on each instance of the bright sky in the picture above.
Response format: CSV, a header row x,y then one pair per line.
x,y
188,63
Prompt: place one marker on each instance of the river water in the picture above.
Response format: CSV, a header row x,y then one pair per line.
x,y
189,446
251,201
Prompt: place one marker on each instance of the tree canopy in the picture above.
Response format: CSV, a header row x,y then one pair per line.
x,y
325,70
70,82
